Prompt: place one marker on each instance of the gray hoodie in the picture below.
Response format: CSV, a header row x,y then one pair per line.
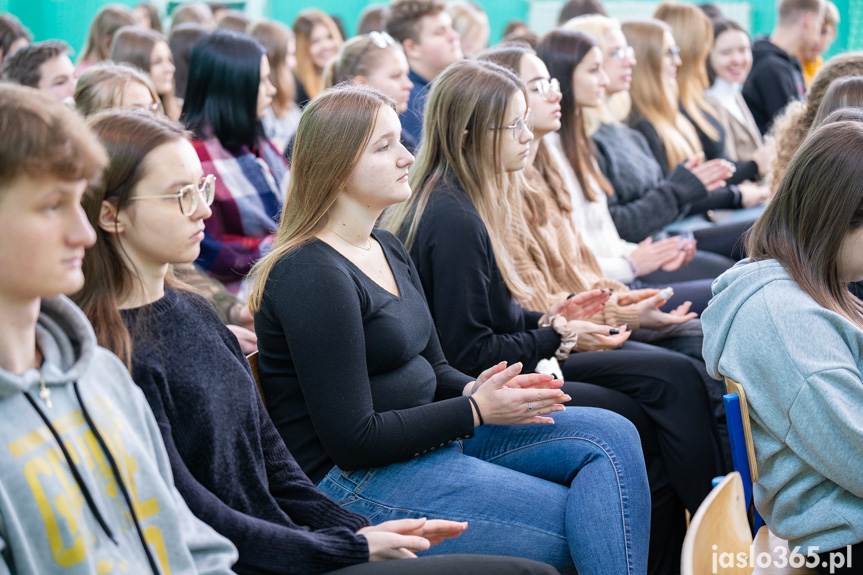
x,y
801,367
67,511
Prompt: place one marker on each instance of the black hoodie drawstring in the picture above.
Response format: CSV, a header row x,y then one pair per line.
x,y
88,497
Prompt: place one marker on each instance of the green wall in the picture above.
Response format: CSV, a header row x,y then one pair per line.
x,y
70,19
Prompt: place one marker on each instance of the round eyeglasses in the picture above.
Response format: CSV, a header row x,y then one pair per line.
x,y
547,89
673,52
155,108
517,128
188,196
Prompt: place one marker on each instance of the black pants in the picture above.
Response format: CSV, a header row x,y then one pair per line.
x,y
451,565
662,393
724,239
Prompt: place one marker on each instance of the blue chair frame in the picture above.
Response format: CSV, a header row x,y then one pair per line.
x,y
739,454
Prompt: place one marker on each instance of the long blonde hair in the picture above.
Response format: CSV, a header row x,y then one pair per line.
x,y
694,34
467,98
322,165
310,77
652,98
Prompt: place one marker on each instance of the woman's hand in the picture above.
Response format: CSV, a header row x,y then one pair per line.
x,y
753,194
651,317
508,398
683,257
595,337
400,538
579,306
649,256
247,338
712,174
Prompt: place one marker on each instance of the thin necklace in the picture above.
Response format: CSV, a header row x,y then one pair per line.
x,y
350,242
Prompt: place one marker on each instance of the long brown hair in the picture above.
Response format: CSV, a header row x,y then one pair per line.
x,y
467,98
128,137
322,165
106,23
134,45
652,98
819,201
792,125
562,51
275,37
694,34
843,93
310,77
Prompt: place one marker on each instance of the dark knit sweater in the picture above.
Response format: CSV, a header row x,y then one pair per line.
x,y
480,323
723,198
644,199
229,463
350,371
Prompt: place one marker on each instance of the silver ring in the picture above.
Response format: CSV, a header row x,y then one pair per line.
x,y
529,406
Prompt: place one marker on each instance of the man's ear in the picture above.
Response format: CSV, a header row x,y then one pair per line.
x,y
109,218
412,49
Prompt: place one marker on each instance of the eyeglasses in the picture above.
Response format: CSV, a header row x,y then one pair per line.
x,y
517,128
155,108
188,196
380,39
625,53
673,52
546,88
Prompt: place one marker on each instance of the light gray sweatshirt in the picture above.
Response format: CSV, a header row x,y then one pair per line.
x,y
800,365
55,519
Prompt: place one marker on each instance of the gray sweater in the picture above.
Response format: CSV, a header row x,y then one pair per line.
x,y
801,367
644,199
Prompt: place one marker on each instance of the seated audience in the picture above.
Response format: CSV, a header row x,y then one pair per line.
x,y
13,36
283,116
45,66
318,40
102,29
811,56
107,85
228,460
777,75
183,38
367,428
842,93
728,66
229,92
372,19
425,31
803,386
575,8
149,51
86,479
379,61
645,199
553,260
471,23
233,20
146,15
793,125
192,13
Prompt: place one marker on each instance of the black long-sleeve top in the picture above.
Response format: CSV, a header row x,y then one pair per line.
x,y
723,198
479,322
228,461
644,200
350,371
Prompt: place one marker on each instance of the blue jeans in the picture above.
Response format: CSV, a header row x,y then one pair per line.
x,y
573,494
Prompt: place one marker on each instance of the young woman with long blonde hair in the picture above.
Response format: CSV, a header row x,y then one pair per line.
x,y
318,40
351,366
